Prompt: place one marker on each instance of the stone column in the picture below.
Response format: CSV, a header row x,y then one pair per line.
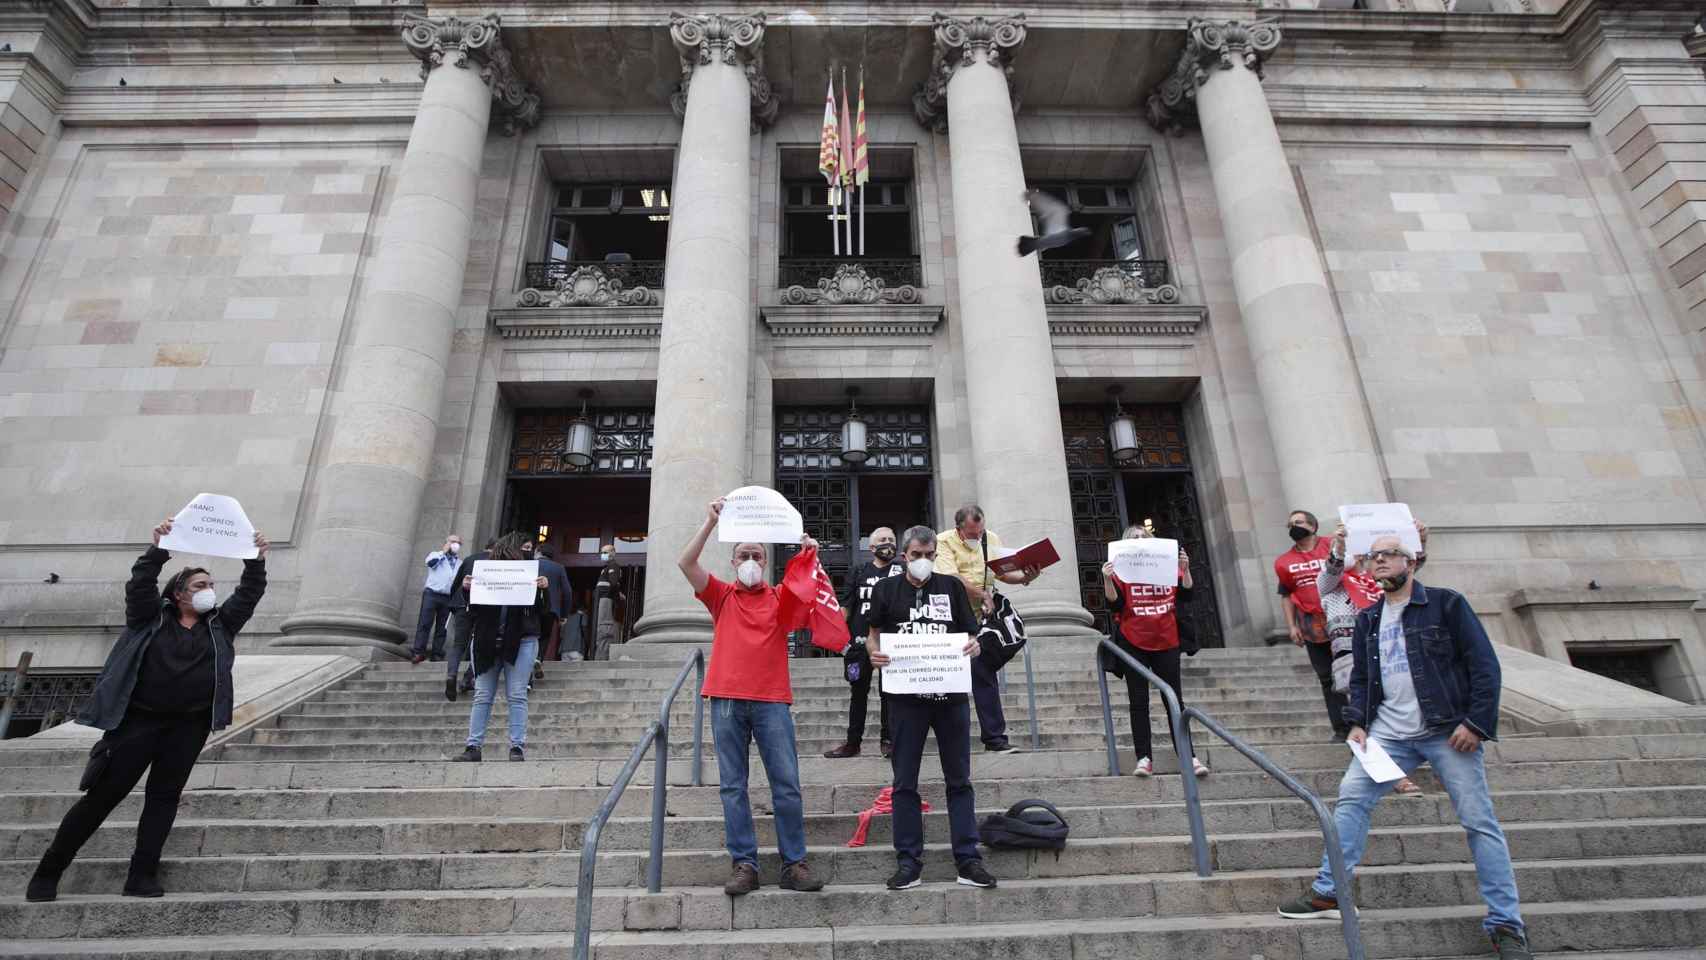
x,y
1018,454
366,493
704,357
1318,420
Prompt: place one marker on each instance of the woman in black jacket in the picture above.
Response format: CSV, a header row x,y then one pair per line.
x,y
506,641
165,687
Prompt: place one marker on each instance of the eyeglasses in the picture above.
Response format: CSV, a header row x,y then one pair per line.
x,y
1388,554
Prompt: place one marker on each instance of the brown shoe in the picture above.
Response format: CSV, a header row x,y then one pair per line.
x,y
843,752
743,881
798,876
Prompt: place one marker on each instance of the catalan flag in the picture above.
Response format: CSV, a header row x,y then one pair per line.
x,y
846,135
861,157
829,148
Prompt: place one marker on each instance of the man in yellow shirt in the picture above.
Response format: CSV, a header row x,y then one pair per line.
x,y
961,552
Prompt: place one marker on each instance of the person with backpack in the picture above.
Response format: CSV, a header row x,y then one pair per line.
x,y
1148,629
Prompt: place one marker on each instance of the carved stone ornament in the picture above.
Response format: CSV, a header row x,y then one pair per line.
x,y
1111,285
957,45
738,42
1209,45
587,287
851,285
477,43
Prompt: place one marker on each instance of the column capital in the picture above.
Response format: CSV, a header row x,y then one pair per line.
x,y
1209,45
958,41
738,41
476,43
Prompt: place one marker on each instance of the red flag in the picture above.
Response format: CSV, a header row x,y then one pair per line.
x,y
808,600
846,139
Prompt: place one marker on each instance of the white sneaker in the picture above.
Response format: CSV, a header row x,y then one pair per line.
x,y
1200,768
1144,768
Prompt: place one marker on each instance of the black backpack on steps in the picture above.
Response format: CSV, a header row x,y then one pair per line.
x,y
1027,825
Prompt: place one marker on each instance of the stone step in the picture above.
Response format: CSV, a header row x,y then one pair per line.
x,y
589,689
546,699
360,713
1561,926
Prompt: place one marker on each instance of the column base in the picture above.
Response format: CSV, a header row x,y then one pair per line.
x,y
356,627
364,649
1053,618
673,626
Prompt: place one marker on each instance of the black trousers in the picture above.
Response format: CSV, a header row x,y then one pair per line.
x,y
1321,658
435,612
986,693
913,720
165,745
1165,663
861,698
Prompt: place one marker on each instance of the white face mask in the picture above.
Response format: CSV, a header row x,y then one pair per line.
x,y
455,549
920,569
204,600
750,572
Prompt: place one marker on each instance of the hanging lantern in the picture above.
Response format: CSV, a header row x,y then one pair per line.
x,y
1122,432
577,448
853,449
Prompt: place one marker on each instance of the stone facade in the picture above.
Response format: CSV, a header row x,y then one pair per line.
x,y
1450,259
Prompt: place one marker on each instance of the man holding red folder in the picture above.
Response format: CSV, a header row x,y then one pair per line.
x,y
964,552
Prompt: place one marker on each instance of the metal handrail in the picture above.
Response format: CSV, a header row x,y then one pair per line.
x,y
1329,829
1181,743
657,732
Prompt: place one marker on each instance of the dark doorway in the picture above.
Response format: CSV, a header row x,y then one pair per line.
x,y
575,516
1158,486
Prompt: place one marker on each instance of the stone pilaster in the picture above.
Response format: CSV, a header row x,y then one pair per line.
x,y
390,384
1319,423
704,354
1018,454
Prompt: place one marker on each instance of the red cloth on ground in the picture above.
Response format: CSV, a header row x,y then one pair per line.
x,y
882,806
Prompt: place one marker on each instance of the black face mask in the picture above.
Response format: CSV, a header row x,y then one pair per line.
x,y
883,552
1299,534
1395,582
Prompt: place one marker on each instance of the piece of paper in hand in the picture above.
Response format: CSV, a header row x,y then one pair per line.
x,y
1367,522
212,525
1376,762
504,583
759,515
1148,560
926,663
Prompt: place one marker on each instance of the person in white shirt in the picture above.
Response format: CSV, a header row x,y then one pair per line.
x,y
435,600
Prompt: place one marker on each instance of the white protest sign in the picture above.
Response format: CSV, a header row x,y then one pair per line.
x,y
1368,522
1376,762
926,663
759,515
1148,560
504,583
213,525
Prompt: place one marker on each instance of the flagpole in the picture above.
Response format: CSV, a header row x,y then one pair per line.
x,y
834,228
847,154
861,219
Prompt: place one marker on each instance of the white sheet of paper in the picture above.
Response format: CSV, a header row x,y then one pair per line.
x,y
505,583
1148,560
212,525
926,663
1367,522
759,515
1376,762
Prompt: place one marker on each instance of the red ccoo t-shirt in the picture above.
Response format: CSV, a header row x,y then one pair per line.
x,y
749,644
1297,572
1150,619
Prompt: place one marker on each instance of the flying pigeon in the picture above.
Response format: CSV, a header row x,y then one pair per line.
x,y
1055,217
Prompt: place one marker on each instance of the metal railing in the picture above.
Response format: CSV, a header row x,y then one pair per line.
x,y
807,271
657,733
1180,718
1030,694
545,274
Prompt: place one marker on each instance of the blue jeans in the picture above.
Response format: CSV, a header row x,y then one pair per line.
x,y
1465,780
735,724
516,677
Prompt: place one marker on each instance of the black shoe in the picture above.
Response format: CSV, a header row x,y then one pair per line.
x,y
140,884
1510,944
1001,746
974,874
467,685
436,658
888,749
515,755
450,689
843,752
538,671
418,659
468,755
43,888
907,877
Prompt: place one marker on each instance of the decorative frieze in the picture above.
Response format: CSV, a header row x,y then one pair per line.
x,y
737,41
476,44
851,284
1078,322
958,42
906,321
587,286
571,323
1209,45
1111,285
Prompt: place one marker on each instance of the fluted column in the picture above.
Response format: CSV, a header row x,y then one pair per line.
x,y
367,491
1308,380
704,363
1017,450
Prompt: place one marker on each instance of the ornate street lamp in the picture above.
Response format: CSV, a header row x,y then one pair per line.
x,y
853,448
1122,432
577,450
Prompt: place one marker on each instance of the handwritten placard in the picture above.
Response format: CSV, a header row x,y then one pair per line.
x,y
759,515
212,525
1368,522
926,663
505,583
1149,560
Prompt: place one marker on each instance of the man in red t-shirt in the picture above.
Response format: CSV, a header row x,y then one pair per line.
x,y
747,683
1148,620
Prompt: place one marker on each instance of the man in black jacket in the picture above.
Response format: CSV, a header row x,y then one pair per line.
x,y
856,600
165,687
461,627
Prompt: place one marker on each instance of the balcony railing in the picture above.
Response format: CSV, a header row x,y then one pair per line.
x,y
850,280
590,283
1107,281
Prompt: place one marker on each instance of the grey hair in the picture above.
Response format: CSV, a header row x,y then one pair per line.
x,y
920,534
970,511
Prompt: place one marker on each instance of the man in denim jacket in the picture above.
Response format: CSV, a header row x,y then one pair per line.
x,y
1425,685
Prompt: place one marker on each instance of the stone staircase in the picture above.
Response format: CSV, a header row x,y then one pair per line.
x,y
338,830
